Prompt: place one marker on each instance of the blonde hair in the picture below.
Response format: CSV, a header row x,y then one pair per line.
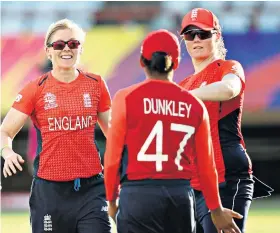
x,y
61,25
222,51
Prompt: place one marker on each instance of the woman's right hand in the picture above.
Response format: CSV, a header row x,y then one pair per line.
x,y
12,161
223,220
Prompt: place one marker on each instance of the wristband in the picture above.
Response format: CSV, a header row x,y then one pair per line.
x,y
6,146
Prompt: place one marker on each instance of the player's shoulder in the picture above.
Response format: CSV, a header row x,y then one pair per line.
x,y
124,92
232,64
184,81
132,89
38,82
233,67
92,76
181,87
34,86
185,92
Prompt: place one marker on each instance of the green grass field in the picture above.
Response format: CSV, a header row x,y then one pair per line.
x,y
264,217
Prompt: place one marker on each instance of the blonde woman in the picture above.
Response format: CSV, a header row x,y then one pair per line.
x,y
220,84
67,193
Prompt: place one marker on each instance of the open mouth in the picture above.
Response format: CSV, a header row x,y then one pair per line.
x,y
66,57
198,47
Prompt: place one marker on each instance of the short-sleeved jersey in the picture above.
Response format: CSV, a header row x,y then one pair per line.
x,y
65,115
225,117
158,131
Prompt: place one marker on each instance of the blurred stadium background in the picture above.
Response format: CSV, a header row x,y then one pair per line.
x,y
115,30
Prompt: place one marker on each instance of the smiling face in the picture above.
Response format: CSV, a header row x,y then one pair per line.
x,y
66,58
201,49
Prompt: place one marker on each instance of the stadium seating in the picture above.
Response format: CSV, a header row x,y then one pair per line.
x,y
236,16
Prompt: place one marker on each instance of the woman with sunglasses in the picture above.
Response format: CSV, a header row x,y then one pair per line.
x,y
67,193
220,84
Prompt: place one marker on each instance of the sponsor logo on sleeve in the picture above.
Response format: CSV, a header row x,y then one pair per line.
x,y
18,98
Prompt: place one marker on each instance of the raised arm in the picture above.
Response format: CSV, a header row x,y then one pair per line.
x,y
231,85
226,89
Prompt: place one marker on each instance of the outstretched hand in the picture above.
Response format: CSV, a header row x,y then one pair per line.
x,y
223,220
13,162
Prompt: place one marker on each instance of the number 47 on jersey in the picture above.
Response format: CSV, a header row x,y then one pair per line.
x,y
159,156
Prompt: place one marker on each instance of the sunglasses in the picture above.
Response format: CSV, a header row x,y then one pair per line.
x,y
202,35
60,44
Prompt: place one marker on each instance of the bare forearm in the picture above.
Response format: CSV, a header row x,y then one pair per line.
x,y
103,118
219,91
11,125
6,141
13,160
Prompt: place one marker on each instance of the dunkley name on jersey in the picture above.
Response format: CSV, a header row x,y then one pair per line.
x,y
166,107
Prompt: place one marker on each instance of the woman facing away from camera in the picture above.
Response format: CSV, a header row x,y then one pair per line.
x,y
67,193
142,142
220,84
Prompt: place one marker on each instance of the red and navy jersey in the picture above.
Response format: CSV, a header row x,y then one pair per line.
x,y
65,115
225,119
158,131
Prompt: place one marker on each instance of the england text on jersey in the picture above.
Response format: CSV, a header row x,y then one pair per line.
x,y
70,123
65,115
